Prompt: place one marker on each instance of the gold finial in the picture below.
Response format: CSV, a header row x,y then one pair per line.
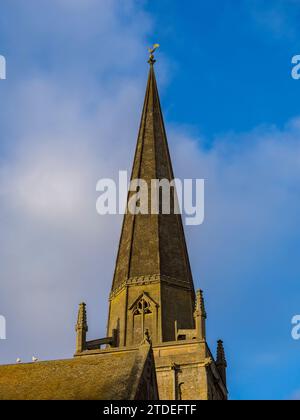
x,y
151,52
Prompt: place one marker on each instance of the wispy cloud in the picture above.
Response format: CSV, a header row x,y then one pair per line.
x,y
71,117
276,16
295,396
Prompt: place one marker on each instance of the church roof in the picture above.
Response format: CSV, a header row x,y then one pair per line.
x,y
152,244
108,375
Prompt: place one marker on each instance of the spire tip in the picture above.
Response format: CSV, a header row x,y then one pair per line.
x,y
151,51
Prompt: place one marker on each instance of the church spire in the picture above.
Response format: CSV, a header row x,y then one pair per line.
x,y
152,267
81,328
152,244
200,316
221,361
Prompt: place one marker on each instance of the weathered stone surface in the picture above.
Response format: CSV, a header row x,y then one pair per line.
x,y
186,371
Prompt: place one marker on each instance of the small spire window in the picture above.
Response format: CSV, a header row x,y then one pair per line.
x,y
143,307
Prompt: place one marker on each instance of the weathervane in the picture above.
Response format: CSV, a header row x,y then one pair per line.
x,y
151,52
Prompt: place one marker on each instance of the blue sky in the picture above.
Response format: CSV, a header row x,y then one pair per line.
x,y
232,62
70,109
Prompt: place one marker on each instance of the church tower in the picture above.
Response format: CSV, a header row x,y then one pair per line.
x,y
152,291
152,299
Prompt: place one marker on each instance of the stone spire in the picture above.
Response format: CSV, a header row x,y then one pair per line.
x,y
200,316
152,286
152,244
221,361
81,328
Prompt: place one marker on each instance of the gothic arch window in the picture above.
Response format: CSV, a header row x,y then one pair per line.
x,y
142,307
143,313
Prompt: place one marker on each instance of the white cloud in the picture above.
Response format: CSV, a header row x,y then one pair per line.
x,y
279,17
65,127
252,207
295,396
